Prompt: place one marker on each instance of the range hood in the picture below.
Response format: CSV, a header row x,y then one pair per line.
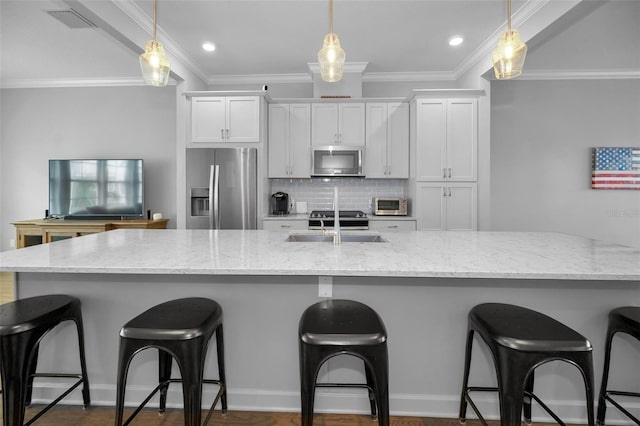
x,y
350,86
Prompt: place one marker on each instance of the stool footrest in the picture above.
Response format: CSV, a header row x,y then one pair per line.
x,y
495,389
168,382
344,385
608,397
58,399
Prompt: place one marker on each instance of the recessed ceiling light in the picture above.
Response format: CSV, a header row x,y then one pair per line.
x,y
208,46
455,40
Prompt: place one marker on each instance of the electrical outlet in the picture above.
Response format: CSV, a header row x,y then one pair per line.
x,y
12,243
325,286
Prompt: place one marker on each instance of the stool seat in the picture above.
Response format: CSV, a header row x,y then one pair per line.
x,y
343,327
626,320
180,330
23,324
341,323
523,329
175,320
520,340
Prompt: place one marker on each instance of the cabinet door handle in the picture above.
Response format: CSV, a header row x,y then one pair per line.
x,y
449,192
444,191
444,172
222,134
285,226
227,133
392,226
449,171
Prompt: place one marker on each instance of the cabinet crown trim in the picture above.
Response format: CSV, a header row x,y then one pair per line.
x,y
447,93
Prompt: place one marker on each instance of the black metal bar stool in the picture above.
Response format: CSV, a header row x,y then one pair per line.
x,y
336,327
621,320
181,330
521,340
23,324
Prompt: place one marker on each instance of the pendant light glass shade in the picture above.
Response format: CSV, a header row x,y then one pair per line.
x,y
153,62
155,65
508,57
331,57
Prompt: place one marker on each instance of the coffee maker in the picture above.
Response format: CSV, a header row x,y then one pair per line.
x,y
280,203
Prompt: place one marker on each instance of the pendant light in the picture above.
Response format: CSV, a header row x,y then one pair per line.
x,y
508,58
331,56
153,62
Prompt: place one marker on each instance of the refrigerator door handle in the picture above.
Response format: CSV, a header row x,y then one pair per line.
x,y
214,197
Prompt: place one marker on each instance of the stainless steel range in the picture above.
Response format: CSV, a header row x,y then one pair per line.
x,y
349,219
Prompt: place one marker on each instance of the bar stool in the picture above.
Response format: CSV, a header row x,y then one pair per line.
x,y
23,324
624,320
521,340
180,329
336,327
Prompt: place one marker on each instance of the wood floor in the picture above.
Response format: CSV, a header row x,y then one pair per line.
x,y
104,416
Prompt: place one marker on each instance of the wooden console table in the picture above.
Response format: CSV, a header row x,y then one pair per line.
x,y
42,231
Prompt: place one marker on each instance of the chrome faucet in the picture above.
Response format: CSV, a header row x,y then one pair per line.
x,y
337,237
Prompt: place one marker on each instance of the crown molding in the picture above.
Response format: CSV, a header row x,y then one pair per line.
x,y
382,77
32,83
349,67
579,75
522,15
260,79
136,14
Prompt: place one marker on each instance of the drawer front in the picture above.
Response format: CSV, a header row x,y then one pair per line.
x,y
284,225
392,225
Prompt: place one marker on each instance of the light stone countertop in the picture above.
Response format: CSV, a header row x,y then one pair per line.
x,y
526,255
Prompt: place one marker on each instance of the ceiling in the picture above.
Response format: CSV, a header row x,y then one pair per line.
x,y
398,39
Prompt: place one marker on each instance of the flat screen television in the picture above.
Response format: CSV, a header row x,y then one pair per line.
x,y
96,189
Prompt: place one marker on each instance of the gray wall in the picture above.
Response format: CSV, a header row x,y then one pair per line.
x,y
542,133
98,122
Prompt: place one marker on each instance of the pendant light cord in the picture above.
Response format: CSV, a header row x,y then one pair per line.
x,y
508,15
155,19
330,17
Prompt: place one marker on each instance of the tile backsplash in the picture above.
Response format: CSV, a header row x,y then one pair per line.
x,y
354,193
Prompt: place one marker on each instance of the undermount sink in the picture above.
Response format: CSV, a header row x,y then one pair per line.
x,y
346,238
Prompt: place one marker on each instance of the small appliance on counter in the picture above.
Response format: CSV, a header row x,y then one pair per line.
x,y
390,206
280,203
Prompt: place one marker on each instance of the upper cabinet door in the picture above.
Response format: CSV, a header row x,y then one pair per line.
x,y
446,139
278,141
351,124
375,156
208,119
462,139
243,119
324,124
431,139
300,140
398,141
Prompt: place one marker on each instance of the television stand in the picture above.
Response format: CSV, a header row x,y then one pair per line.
x,y
43,231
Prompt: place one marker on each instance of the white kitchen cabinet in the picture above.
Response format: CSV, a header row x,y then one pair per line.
x,y
447,206
225,119
446,139
289,140
387,140
285,224
338,124
392,225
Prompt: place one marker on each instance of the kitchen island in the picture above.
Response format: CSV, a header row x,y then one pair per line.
x,y
421,283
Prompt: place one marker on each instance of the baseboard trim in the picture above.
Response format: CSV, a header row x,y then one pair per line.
x,y
327,401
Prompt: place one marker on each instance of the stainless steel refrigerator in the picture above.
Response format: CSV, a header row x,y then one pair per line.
x,y
222,188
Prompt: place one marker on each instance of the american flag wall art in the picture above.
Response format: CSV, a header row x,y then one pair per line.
x,y
616,168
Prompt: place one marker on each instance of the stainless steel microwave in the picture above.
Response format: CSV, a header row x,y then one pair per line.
x,y
337,160
390,206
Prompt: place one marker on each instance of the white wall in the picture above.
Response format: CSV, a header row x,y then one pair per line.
x,y
542,133
100,122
